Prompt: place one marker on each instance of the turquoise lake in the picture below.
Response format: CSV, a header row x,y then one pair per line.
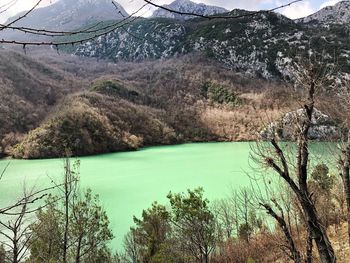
x,y
129,182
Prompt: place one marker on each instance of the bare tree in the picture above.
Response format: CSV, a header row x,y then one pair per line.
x,y
310,77
294,253
17,235
225,218
344,156
132,250
68,194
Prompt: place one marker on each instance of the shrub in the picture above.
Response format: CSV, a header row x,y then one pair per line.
x,y
220,94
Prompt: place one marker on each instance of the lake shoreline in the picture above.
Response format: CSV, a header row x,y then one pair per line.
x,y
129,182
10,157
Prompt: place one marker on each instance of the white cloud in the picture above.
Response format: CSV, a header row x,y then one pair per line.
x,y
20,6
298,10
132,5
329,3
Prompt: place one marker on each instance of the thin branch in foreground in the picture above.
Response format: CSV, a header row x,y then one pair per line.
x,y
4,170
4,8
128,20
108,29
253,13
22,16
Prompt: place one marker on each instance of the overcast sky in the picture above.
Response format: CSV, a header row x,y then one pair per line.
x,y
297,10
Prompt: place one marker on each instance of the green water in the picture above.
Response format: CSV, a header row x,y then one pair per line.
x,y
129,182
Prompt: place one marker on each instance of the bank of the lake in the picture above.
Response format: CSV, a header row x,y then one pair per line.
x,y
129,182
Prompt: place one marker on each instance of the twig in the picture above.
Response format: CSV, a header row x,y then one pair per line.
x,y
221,16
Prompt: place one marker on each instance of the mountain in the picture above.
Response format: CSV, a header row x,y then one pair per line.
x,y
89,107
337,14
263,45
187,6
51,103
29,90
67,15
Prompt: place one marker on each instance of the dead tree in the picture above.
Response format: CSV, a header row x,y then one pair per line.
x,y
16,233
294,253
69,191
311,78
345,175
16,230
344,156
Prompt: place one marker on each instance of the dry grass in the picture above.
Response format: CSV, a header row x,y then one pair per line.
x,y
339,239
264,248
242,123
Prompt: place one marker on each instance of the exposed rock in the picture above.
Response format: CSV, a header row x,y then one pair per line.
x,y
337,14
264,45
323,128
66,15
188,6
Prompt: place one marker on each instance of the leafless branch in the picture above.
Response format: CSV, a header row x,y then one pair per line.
x,y
22,16
249,14
4,170
94,32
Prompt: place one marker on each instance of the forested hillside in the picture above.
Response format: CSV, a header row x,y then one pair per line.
x,y
120,85
129,105
28,91
263,45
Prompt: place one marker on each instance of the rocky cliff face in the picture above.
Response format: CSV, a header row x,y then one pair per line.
x,y
66,15
323,127
337,14
262,45
187,6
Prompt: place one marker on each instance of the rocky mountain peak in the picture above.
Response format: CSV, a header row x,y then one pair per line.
x,y
188,6
72,14
337,14
66,15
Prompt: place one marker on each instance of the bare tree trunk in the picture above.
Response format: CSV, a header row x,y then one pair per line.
x,y
66,218
309,247
67,194
295,254
345,174
18,234
15,255
314,225
78,252
300,189
318,233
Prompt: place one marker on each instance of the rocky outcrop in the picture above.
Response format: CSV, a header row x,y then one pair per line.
x,y
337,14
187,6
65,15
323,128
264,45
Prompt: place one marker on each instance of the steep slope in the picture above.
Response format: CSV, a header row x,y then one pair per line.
x,y
337,14
187,6
28,91
95,122
87,107
131,105
67,15
262,45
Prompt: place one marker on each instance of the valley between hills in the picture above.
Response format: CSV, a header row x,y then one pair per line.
x,y
185,80
59,102
95,101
